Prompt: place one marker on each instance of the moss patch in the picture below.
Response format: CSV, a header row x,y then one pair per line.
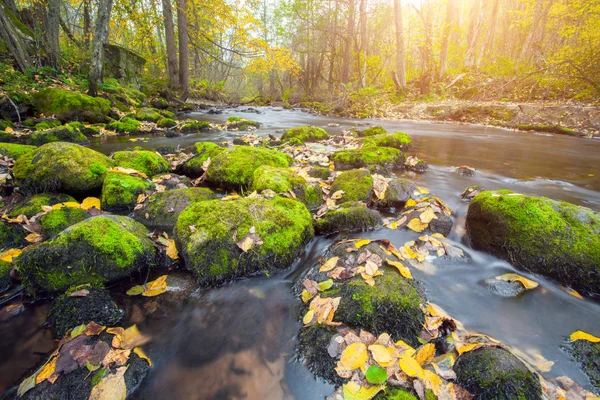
x,y
14,150
372,131
241,123
148,162
350,217
148,114
193,167
367,156
56,221
11,236
319,172
304,134
65,133
120,191
5,279
68,106
195,126
126,126
166,123
398,140
587,355
47,124
357,185
33,204
279,180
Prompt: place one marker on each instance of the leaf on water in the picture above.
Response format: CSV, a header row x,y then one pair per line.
x,y
376,375
361,243
427,215
111,387
425,354
354,356
156,287
329,265
527,283
140,353
404,271
90,202
416,225
410,366
323,286
172,252
581,335
380,354
78,330
8,255
47,370
337,195
410,203
354,391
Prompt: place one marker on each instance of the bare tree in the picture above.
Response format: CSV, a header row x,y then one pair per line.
x,y
52,32
363,41
15,39
538,27
184,57
348,43
100,39
400,74
474,33
172,68
448,29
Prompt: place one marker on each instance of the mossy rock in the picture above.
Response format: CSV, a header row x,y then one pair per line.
x,y
172,181
313,197
59,166
398,140
194,127
14,150
67,312
5,278
234,168
6,137
159,103
120,191
398,192
91,130
12,236
160,210
279,180
166,113
4,123
32,205
97,250
65,133
148,115
304,134
125,126
492,373
392,393
312,347
241,123
350,217
166,123
69,106
357,185
587,354
372,131
47,124
148,162
193,167
210,250
56,221
553,238
367,157
319,172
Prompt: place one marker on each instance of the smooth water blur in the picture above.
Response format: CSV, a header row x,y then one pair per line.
x,y
237,341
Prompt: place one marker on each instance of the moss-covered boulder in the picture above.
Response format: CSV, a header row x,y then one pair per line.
x,y
160,210
281,227
492,373
47,124
159,103
349,217
357,185
194,166
398,192
71,106
241,124
393,393
125,126
553,238
5,278
67,311
313,197
148,162
166,123
59,166
120,191
319,173
172,181
234,168
304,134
398,140
32,205
279,180
12,236
194,127
372,131
587,354
148,114
369,156
98,250
57,221
65,133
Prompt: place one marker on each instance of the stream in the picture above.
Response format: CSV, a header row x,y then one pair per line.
x,y
237,341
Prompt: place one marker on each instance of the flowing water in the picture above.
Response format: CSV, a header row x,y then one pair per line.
x,y
237,341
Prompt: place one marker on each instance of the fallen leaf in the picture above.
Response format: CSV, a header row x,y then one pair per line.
x,y
380,354
361,243
354,356
329,265
416,225
337,195
425,354
111,387
8,255
80,293
581,335
47,370
129,171
156,287
308,317
116,357
127,338
140,353
422,190
527,283
34,238
354,391
172,252
93,329
26,385
404,271
323,286
78,330
90,202
410,366
376,375
410,203
427,215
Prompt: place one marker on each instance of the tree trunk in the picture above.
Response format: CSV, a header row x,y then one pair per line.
x,y
87,24
184,59
363,42
534,39
172,69
491,32
100,39
347,59
400,56
474,33
52,33
449,27
14,39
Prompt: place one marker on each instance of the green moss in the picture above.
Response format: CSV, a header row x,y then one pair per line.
x,y
148,114
319,172
159,102
587,354
235,167
398,192
304,134
314,197
392,393
553,238
210,250
279,180
90,130
47,124
194,166
367,156
56,221
241,123
357,185
372,131
4,123
350,217
492,373
32,205
195,126
313,343
67,106
126,125
398,140
5,279
11,236
65,133
166,113
120,191
166,123
14,150
561,130
148,162
97,250
59,166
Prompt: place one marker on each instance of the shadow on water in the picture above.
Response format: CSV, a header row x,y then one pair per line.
x,y
237,341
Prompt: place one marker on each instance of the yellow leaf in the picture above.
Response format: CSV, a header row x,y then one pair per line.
x,y
581,335
156,287
329,265
308,317
410,366
354,391
128,171
172,250
337,195
127,338
527,283
422,190
354,356
362,243
71,204
432,381
380,354
371,268
34,238
404,271
140,353
409,349
416,225
410,203
427,215
8,129
464,348
46,371
306,296
90,202
8,255
425,354
57,206
111,387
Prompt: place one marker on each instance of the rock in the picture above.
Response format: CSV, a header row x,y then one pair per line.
x,y
87,130
350,217
241,124
279,180
120,191
148,162
587,354
65,133
125,126
5,278
172,181
46,124
32,205
372,131
160,210
398,140
471,192
553,238
312,346
187,107
398,192
148,114
98,250
194,127
313,197
465,170
14,150
319,172
367,157
71,106
67,312
357,185
166,123
415,164
505,288
159,103
494,373
194,166
207,232
304,134
442,223
61,166
234,168
12,236
57,221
